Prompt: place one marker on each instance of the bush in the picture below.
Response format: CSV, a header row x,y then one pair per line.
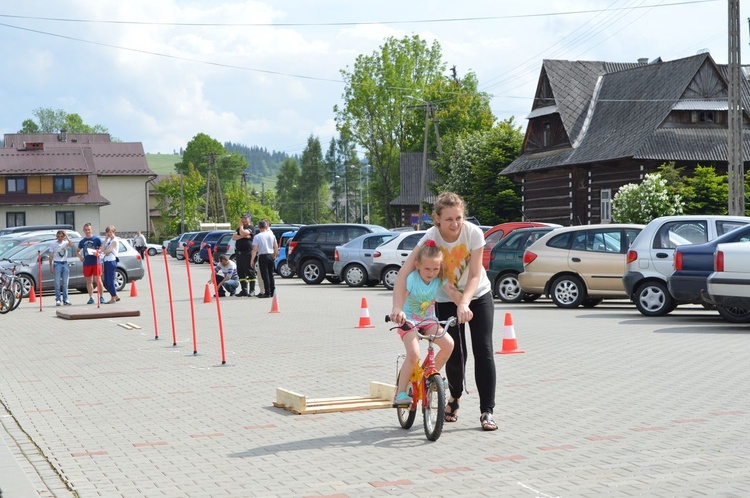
x,y
642,203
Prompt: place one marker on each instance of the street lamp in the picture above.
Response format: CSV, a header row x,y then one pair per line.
x,y
346,199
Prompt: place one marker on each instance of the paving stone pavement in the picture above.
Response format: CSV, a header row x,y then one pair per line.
x,y
605,402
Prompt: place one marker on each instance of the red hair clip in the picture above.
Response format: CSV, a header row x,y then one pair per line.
x,y
430,243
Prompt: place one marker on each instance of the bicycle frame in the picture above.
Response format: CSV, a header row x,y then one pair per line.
x,y
419,376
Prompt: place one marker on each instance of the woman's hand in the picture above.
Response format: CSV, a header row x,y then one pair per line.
x,y
464,314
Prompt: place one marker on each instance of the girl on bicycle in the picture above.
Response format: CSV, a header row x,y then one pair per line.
x,y
422,287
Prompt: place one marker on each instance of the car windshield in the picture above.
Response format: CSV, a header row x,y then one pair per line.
x,y
27,251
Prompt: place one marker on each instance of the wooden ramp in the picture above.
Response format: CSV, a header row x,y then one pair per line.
x,y
88,313
381,396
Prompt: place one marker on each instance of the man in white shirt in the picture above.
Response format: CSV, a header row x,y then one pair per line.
x,y
266,249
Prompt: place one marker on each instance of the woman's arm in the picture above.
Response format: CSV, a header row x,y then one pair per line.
x,y
475,273
399,289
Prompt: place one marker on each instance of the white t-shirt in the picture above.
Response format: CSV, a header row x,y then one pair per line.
x,y
115,243
456,258
59,250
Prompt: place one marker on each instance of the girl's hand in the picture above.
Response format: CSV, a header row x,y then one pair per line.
x,y
464,314
397,316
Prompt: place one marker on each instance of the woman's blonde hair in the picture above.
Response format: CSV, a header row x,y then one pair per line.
x,y
110,228
444,200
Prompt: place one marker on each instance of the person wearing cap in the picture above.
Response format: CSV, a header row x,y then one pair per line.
x,y
266,249
243,248
230,280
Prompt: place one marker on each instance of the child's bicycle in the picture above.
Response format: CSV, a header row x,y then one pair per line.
x,y
425,384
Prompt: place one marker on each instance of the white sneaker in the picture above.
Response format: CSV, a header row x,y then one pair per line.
x,y
58,303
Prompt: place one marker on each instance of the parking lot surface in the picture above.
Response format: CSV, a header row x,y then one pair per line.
x,y
604,402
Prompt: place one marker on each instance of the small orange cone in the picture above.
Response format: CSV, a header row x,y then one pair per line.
x,y
510,346
364,316
275,305
133,290
207,294
32,295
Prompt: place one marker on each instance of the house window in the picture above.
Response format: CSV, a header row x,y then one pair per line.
x,y
15,185
63,184
65,218
706,117
546,132
15,219
606,205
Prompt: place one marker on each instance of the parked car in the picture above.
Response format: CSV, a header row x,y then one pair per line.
x,y
34,228
650,259
281,265
129,266
391,256
352,260
496,233
8,242
193,245
692,266
579,265
729,284
211,240
175,245
310,253
506,262
152,249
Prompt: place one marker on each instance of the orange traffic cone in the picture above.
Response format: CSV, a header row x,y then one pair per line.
x,y
275,305
364,316
32,295
510,346
207,294
133,290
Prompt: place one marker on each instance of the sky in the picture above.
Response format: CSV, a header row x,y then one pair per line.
x,y
268,74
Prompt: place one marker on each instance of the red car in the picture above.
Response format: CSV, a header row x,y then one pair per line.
x,y
494,234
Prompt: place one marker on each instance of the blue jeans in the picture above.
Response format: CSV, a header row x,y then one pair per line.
x,y
109,277
230,286
62,272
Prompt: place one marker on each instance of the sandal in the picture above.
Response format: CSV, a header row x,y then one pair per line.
x,y
488,424
451,416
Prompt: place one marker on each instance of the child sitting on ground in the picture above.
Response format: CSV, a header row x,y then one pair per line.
x,y
422,286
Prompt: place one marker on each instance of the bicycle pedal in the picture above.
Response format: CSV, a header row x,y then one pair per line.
x,y
401,405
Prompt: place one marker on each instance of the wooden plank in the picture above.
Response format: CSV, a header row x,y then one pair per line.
x,y
87,313
383,391
134,326
290,400
381,396
125,326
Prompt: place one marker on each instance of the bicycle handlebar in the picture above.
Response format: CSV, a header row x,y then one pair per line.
x,y
409,324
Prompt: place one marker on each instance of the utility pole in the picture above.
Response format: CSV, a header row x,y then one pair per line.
x,y
423,176
735,162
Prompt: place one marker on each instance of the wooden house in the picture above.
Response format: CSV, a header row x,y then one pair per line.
x,y
596,126
407,202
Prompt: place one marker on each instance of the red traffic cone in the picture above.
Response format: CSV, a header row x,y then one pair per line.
x,y
510,346
133,290
364,316
207,294
275,305
32,295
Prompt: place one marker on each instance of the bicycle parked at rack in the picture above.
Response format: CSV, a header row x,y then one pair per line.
x,y
425,384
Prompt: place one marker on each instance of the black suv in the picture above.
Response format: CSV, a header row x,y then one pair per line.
x,y
311,252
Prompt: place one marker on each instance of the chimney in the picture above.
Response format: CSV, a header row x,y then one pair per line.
x,y
62,136
643,60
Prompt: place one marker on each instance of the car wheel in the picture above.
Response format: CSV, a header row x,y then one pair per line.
x,y
530,298
389,277
653,299
568,292
508,289
312,272
284,270
355,275
196,257
733,314
121,278
590,303
28,282
151,251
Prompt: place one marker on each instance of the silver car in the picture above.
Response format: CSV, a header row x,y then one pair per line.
x,y
352,259
25,258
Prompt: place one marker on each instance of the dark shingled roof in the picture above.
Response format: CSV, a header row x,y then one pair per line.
x,y
411,174
619,117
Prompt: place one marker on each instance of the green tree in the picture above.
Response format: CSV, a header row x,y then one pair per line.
x,y
709,192
288,191
643,202
472,169
173,200
376,108
54,121
313,193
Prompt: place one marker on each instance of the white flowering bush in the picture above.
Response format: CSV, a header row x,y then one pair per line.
x,y
642,203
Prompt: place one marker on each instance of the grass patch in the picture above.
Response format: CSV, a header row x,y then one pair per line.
x,y
162,164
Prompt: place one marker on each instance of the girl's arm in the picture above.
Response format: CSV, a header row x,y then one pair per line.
x,y
399,289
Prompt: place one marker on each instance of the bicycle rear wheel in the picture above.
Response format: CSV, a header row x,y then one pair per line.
x,y
406,416
17,289
434,411
6,300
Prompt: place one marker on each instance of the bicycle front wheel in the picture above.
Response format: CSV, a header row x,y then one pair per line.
x,y
434,410
17,289
406,416
6,300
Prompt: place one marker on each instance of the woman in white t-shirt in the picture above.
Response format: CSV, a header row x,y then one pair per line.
x,y
462,245
110,249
